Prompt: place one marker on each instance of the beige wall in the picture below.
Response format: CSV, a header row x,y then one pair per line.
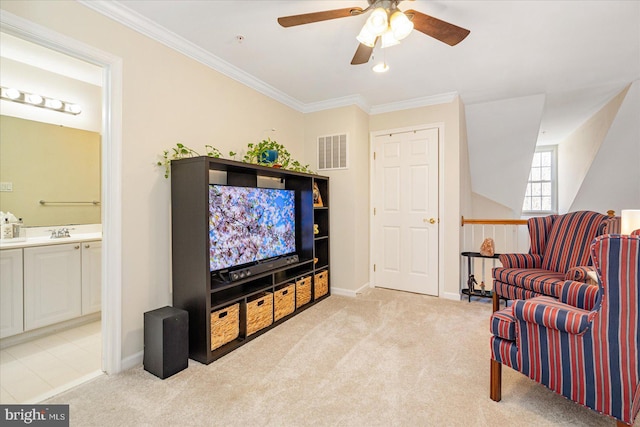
x,y
349,201
350,195
51,163
167,98
449,116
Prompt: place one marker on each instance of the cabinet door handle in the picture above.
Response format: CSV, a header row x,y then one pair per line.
x,y
87,246
76,247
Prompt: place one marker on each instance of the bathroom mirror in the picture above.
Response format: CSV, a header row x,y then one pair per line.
x,y
50,165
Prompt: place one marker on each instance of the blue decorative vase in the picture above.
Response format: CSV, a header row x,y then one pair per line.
x,y
268,156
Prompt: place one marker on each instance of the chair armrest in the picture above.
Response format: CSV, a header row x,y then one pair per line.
x,y
579,295
520,260
552,314
579,274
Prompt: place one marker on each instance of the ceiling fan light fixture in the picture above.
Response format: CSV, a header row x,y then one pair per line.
x,y
378,21
388,39
400,25
381,67
366,37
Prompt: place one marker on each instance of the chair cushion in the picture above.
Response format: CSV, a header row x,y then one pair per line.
x,y
503,324
570,239
512,292
534,279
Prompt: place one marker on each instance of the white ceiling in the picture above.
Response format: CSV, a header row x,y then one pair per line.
x,y
569,50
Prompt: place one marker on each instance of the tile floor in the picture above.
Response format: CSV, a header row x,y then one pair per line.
x,y
38,369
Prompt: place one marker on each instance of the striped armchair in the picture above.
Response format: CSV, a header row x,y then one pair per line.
x,y
584,346
559,252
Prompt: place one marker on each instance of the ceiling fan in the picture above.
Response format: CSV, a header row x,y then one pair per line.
x,y
387,23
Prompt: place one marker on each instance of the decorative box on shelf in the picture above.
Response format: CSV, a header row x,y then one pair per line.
x,y
303,291
259,312
321,284
225,325
284,301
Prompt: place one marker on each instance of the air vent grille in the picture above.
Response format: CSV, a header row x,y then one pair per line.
x,y
332,152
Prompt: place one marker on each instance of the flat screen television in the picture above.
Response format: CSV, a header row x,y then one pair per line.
x,y
248,224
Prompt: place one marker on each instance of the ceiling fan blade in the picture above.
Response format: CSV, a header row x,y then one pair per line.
x,y
307,18
362,55
436,28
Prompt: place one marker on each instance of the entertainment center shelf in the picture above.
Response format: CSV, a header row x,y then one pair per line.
x,y
224,314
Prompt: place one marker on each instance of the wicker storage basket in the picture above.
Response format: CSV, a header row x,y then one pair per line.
x,y
303,291
259,312
284,301
320,284
225,325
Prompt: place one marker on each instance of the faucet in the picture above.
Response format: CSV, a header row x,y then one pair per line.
x,y
60,232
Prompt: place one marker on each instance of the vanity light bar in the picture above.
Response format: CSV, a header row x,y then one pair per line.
x,y
15,95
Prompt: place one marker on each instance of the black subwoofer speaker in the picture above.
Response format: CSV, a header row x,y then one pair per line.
x,y
166,341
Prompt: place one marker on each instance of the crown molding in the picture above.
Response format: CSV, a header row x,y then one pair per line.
x,y
344,101
141,24
425,101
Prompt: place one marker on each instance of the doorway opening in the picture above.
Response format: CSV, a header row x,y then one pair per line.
x,y
111,125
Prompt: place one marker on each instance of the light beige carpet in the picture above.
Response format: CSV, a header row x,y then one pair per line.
x,y
385,358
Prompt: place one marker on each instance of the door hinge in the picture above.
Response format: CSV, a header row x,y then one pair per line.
x,y
374,268
374,211
374,155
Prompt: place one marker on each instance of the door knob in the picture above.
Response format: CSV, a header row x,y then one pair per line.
x,y
432,221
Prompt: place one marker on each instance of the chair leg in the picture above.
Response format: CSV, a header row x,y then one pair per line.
x,y
496,381
496,302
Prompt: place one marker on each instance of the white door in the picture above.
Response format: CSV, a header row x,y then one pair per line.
x,y
405,198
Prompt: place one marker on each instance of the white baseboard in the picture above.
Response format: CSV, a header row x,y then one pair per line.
x,y
132,361
452,296
349,292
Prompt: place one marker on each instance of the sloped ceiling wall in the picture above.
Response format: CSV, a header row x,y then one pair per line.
x,y
502,137
577,152
613,181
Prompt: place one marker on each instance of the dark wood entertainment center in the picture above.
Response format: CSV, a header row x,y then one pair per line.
x,y
212,302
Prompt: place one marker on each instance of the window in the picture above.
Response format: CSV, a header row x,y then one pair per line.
x,y
541,195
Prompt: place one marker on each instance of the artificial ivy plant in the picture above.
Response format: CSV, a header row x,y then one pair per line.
x,y
254,154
